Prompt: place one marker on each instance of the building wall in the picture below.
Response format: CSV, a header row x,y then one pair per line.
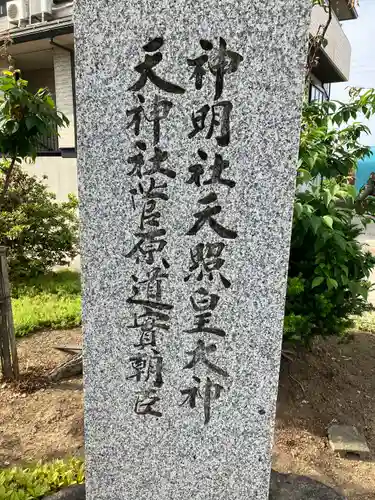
x,y
338,48
61,174
3,23
40,78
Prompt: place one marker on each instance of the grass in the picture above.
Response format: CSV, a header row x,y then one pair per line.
x,y
50,301
365,323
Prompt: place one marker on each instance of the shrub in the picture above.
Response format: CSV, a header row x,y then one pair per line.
x,y
39,232
328,268
38,481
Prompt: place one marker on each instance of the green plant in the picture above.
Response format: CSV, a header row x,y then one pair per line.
x,y
40,480
47,301
328,268
38,231
25,118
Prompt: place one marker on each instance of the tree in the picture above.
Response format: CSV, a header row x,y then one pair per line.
x,y
25,117
38,231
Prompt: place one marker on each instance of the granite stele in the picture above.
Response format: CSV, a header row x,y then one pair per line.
x,y
188,112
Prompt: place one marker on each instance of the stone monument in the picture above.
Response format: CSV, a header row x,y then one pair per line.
x,y
188,116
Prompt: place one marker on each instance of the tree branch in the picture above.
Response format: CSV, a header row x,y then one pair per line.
x,y
8,177
317,41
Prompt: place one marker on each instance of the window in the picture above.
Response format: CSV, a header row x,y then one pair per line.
x,y
327,89
49,144
320,94
3,8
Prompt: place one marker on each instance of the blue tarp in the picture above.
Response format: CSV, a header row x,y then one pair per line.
x,y
365,167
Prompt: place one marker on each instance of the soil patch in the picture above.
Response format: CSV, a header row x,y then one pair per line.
x,y
39,420
334,382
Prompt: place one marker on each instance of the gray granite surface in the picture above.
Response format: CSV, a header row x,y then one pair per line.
x,y
181,370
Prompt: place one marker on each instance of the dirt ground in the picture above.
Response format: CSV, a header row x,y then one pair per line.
x,y
48,423
335,382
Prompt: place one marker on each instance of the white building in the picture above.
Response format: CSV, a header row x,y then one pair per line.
x,y
43,48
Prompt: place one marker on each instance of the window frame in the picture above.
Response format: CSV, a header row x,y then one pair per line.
x,y
3,8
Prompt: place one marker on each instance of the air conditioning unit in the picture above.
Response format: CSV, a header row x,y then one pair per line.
x,y
17,11
41,9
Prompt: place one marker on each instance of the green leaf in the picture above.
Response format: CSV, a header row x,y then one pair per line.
x,y
297,209
31,122
346,115
315,223
327,197
328,221
352,191
340,241
317,281
338,119
331,283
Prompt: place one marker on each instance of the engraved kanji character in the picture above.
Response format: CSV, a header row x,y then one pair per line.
x,y
150,242
144,366
161,109
149,216
204,303
218,119
153,283
222,62
137,160
199,355
206,257
157,160
136,115
153,192
198,170
217,169
207,215
193,392
152,287
199,120
145,403
145,69
226,62
149,322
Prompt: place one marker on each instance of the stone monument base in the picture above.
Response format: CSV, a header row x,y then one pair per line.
x,y
76,492
283,487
